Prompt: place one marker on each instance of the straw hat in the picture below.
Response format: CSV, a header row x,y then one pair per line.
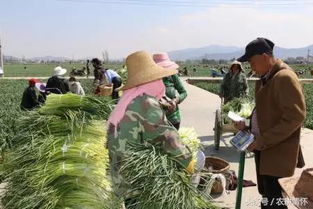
x,y
300,189
58,71
163,60
142,69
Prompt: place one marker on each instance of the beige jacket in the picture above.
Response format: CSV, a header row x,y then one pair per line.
x,y
281,110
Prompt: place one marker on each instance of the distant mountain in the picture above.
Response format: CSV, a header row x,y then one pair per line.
x,y
229,52
195,53
292,52
225,56
209,52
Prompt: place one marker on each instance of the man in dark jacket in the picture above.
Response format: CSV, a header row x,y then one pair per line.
x,y
30,96
56,84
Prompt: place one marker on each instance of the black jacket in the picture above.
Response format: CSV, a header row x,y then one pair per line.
x,y
57,85
29,99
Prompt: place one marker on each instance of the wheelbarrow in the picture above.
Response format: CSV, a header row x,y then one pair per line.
x,y
220,126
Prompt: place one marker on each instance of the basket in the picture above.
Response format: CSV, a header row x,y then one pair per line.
x,y
105,90
215,165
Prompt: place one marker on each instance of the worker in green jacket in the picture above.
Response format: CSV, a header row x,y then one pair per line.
x,y
234,84
175,91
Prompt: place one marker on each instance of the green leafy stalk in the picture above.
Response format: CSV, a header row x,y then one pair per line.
x,y
158,182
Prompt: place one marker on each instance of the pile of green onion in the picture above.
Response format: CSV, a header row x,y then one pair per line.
x,y
157,181
59,159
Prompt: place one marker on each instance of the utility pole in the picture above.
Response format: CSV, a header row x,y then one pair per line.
x,y
308,57
1,61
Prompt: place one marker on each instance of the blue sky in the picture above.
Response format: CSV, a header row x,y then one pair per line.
x,y
83,28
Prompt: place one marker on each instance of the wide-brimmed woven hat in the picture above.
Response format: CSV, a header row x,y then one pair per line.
x,y
163,60
58,71
142,69
299,189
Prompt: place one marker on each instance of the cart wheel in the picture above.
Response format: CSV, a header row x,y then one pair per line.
x,y
217,129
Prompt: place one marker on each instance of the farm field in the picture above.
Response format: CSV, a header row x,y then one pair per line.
x,y
205,70
194,70
43,70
